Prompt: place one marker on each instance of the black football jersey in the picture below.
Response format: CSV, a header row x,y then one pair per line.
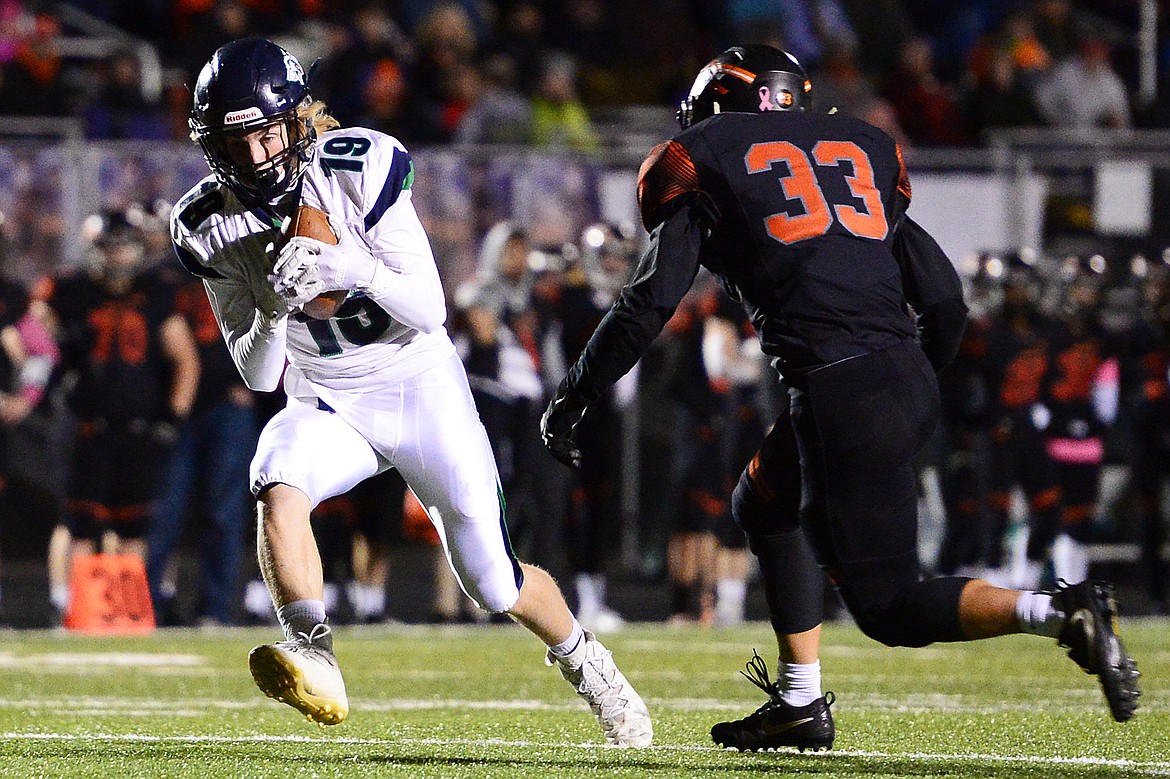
x,y
1076,353
217,372
802,218
1016,362
803,210
112,342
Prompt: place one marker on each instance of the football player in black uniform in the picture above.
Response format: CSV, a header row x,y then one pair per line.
x,y
802,216
1013,362
132,366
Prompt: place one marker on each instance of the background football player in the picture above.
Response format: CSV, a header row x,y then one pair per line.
x,y
133,369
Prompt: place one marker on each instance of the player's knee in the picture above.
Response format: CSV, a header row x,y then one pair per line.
x,y
888,626
914,614
880,612
495,603
757,516
494,597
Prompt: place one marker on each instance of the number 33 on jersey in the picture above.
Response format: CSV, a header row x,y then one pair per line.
x,y
847,179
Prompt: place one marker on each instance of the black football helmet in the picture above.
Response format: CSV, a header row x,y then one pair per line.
x,y
248,84
751,78
115,244
609,252
114,226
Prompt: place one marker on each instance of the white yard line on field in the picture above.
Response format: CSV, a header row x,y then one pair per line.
x,y
1150,765
77,661
918,702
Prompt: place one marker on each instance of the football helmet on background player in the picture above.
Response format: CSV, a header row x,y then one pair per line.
x,y
249,84
609,253
750,78
116,244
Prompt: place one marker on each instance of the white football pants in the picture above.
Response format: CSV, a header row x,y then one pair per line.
x,y
428,428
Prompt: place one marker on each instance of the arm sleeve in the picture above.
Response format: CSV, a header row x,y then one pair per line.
x,y
406,280
664,274
933,288
256,342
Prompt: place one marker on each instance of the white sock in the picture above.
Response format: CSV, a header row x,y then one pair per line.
x,y
1028,576
331,596
730,595
590,592
1070,559
300,613
571,651
375,598
59,596
1038,615
356,597
368,600
256,599
800,683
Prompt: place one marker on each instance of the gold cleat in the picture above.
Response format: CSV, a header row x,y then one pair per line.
x,y
304,675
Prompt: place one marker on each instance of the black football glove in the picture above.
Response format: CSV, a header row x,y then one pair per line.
x,y
558,424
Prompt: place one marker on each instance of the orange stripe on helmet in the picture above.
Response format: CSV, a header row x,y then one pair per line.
x,y
740,73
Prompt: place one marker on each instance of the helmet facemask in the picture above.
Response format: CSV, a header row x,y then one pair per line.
x,y
271,179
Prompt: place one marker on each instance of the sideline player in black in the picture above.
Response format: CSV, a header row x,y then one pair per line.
x,y
132,367
802,217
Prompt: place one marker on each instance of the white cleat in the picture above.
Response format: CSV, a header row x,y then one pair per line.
x,y
304,675
619,709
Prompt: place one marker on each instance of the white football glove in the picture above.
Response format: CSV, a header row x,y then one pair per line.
x,y
295,276
306,267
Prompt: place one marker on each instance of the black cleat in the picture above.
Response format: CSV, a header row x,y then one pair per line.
x,y
776,723
1090,633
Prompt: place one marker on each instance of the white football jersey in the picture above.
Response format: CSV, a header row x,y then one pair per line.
x,y
363,179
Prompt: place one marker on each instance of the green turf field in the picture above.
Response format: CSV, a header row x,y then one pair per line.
x,y
479,702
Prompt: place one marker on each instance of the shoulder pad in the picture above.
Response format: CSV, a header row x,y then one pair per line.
x,y
667,174
399,178
196,206
192,211
370,169
903,176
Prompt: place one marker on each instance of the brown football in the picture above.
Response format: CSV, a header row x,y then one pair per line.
x,y
312,222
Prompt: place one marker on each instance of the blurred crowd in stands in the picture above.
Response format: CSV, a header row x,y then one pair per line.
x,y
535,71
125,421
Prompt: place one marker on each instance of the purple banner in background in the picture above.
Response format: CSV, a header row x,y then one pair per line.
x,y
46,190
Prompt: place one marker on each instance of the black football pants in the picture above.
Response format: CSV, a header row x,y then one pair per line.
x,y
847,447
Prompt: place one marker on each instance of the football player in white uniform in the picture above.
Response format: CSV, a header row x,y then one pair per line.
x,y
376,386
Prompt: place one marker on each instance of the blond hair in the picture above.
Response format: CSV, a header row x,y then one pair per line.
x,y
317,116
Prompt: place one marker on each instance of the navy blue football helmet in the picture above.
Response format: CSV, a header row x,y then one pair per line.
x,y
750,78
249,84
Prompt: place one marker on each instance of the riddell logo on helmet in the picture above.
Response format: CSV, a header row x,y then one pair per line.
x,y
246,115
